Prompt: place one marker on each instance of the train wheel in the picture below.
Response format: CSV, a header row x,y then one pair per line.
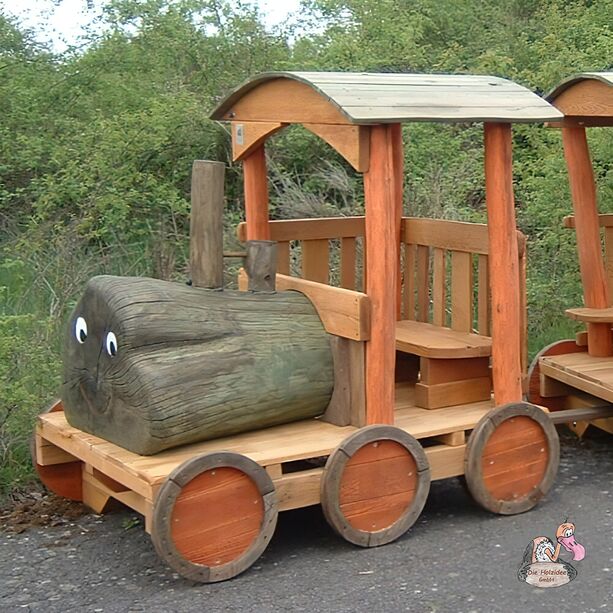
x,y
375,485
534,372
64,480
214,516
512,458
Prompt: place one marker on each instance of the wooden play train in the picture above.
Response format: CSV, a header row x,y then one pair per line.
x,y
352,384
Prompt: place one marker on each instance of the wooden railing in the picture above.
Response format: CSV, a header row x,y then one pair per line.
x,y
444,266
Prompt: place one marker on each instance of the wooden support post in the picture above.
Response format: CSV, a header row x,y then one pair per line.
x,y
206,224
256,195
261,266
504,264
398,160
593,277
382,261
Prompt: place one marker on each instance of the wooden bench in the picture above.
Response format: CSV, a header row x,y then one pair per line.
x,y
442,335
446,310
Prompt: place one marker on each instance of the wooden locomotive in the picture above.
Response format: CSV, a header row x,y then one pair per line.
x,y
417,375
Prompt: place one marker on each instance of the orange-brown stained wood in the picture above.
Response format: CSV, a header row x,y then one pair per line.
x,y
591,261
382,276
515,458
589,98
398,160
377,486
503,264
217,516
65,480
256,195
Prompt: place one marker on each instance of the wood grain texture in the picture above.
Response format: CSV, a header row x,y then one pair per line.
x,y
451,393
398,162
315,254
310,229
348,262
334,97
588,98
374,485
247,136
206,224
504,264
534,373
430,341
192,364
352,142
591,264
214,516
381,228
439,288
255,182
512,457
461,291
261,265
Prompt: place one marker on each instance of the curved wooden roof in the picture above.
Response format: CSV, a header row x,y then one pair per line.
x,y
586,95
371,98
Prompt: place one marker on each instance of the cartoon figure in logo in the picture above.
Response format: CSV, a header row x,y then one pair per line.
x,y
544,551
542,565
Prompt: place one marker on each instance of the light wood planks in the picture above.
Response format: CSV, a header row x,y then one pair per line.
x,y
428,340
439,288
504,264
343,312
348,262
286,443
591,264
315,254
591,374
461,291
591,315
450,393
310,229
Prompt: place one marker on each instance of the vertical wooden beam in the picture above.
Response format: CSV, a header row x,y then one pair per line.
x,y
256,195
593,277
398,161
503,264
206,224
382,260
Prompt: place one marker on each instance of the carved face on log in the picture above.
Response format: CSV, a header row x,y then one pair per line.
x,y
150,364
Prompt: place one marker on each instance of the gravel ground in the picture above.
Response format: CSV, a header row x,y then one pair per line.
x,y
456,558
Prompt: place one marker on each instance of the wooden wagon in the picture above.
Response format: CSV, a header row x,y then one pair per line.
x,y
578,373
427,322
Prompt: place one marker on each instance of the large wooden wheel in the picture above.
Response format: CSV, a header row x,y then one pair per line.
x,y
375,485
534,373
512,458
214,516
65,479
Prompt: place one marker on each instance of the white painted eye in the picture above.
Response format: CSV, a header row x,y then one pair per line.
x,y
111,344
80,330
568,532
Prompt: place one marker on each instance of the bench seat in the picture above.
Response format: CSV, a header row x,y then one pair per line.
x,y
430,341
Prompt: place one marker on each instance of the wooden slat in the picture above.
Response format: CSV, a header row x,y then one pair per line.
x,y
408,289
428,340
445,461
439,303
283,258
348,262
452,393
435,371
343,312
587,98
604,221
483,297
608,256
315,254
461,291
423,282
523,310
297,490
310,229
398,163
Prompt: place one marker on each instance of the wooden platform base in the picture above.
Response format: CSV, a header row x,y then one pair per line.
x,y
113,472
580,380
